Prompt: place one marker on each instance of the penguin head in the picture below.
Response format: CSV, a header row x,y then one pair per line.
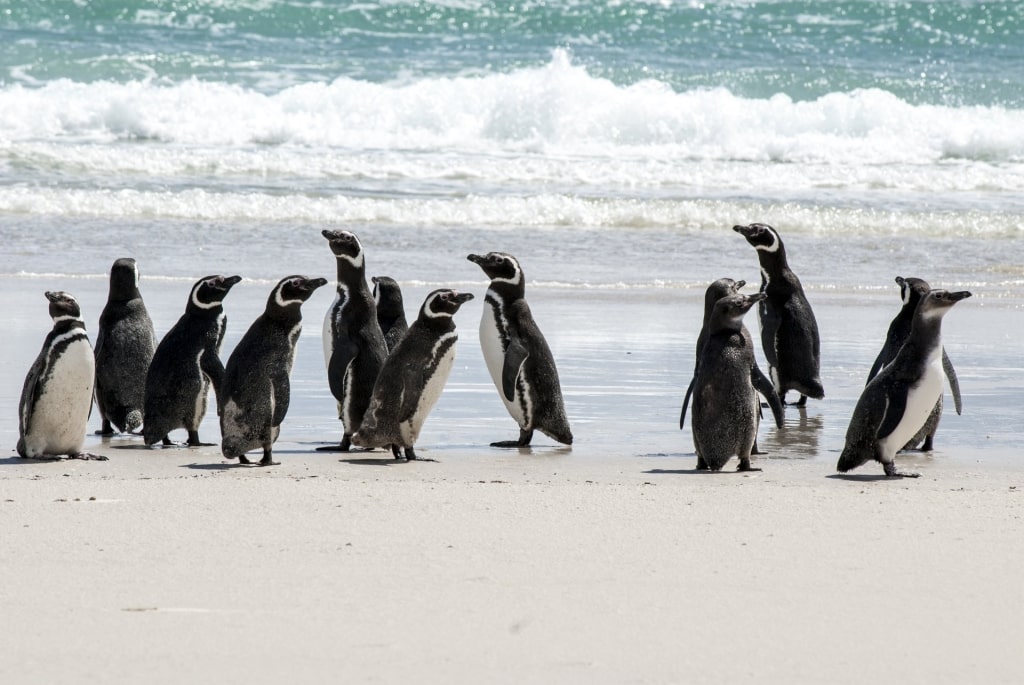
x,y
499,266
443,303
292,291
210,291
721,288
63,306
345,246
937,302
763,237
386,292
124,279
729,310
912,290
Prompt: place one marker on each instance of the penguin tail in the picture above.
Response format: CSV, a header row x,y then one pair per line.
x,y
851,458
132,421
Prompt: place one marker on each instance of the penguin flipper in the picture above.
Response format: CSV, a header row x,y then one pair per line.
x,y
764,386
515,357
342,355
876,367
30,391
771,321
954,383
686,402
895,406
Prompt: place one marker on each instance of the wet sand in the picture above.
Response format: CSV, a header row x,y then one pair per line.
x,y
611,561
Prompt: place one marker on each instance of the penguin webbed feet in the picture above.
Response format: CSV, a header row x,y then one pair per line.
x,y
892,472
193,440
345,446
525,436
88,456
403,453
744,466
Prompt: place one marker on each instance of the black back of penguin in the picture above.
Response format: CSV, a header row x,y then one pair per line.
x,y
789,330
256,390
125,343
517,355
354,347
387,294
725,405
187,362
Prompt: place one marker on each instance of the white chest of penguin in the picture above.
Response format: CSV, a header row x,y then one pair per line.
x,y
62,409
921,399
492,325
442,359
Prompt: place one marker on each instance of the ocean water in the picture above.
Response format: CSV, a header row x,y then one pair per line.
x,y
610,145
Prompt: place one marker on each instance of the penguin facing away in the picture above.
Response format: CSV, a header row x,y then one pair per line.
x,y
390,310
413,376
911,292
256,390
789,331
56,399
897,402
186,363
725,404
724,287
517,355
125,343
354,347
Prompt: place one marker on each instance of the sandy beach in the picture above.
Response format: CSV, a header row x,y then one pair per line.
x,y
612,561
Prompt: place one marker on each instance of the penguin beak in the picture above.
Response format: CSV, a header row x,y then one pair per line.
x,y
229,282
52,296
314,283
476,259
756,297
463,298
960,295
740,284
745,231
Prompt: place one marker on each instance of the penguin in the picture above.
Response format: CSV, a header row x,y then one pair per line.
x,y
716,291
789,332
390,310
897,402
413,377
725,405
517,356
186,363
56,399
354,347
911,292
125,344
256,390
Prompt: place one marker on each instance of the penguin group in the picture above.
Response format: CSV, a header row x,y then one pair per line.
x,y
386,375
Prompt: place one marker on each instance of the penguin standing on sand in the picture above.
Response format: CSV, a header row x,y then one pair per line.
x,y
354,347
186,363
124,347
724,287
56,399
413,376
256,390
911,292
517,356
896,403
390,310
789,332
725,405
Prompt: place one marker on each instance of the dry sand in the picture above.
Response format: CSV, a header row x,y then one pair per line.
x,y
611,562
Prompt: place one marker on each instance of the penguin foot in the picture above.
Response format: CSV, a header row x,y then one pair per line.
x,y
745,466
87,456
267,461
891,472
193,440
525,436
242,459
702,465
345,446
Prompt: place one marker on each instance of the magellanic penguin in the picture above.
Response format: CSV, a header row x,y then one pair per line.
x,y
725,405
896,403
186,363
390,310
911,292
724,287
517,356
789,332
413,377
256,390
125,344
56,399
354,347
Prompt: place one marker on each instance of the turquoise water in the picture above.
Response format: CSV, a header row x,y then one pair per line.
x,y
877,123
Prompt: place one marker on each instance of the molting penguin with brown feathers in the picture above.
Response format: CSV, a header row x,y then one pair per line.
x,y
517,355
